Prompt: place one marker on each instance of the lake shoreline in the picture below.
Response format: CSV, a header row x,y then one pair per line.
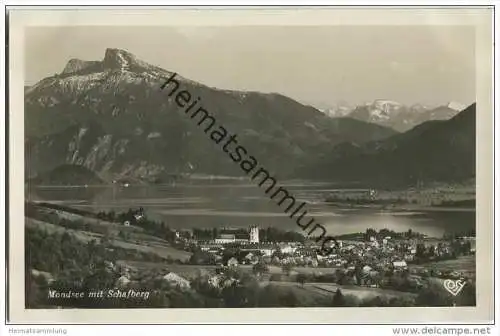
x,y
241,205
402,208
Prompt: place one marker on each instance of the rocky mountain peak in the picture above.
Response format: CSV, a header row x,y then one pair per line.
x,y
114,59
76,65
121,60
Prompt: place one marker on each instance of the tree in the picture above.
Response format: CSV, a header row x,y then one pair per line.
x,y
200,257
370,233
467,247
287,269
338,299
106,238
432,251
260,268
358,273
338,275
433,296
420,250
301,278
235,296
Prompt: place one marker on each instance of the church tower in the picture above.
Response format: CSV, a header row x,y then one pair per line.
x,y
254,234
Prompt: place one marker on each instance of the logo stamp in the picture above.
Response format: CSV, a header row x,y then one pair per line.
x,y
454,286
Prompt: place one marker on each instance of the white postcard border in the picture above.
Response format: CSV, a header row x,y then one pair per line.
x,y
480,18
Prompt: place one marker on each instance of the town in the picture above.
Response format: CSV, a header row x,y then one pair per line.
x,y
396,263
364,259
367,257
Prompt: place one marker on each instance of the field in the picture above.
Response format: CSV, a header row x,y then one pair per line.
x,y
186,271
328,289
160,250
311,290
308,294
192,270
303,270
459,197
146,243
304,294
52,228
465,264
359,292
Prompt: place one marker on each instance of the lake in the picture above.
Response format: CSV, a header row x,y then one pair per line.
x,y
237,203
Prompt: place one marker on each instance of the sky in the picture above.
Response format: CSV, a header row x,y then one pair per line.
x,y
318,65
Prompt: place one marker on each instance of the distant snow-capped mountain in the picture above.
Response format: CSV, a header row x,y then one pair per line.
x,y
402,117
457,106
336,110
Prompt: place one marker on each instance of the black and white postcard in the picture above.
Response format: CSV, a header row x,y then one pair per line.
x,y
253,165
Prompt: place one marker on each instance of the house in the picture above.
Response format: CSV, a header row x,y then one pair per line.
x,y
215,280
122,281
177,280
287,249
321,258
409,257
134,217
251,258
400,264
220,281
211,247
267,249
225,239
366,270
44,275
232,262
